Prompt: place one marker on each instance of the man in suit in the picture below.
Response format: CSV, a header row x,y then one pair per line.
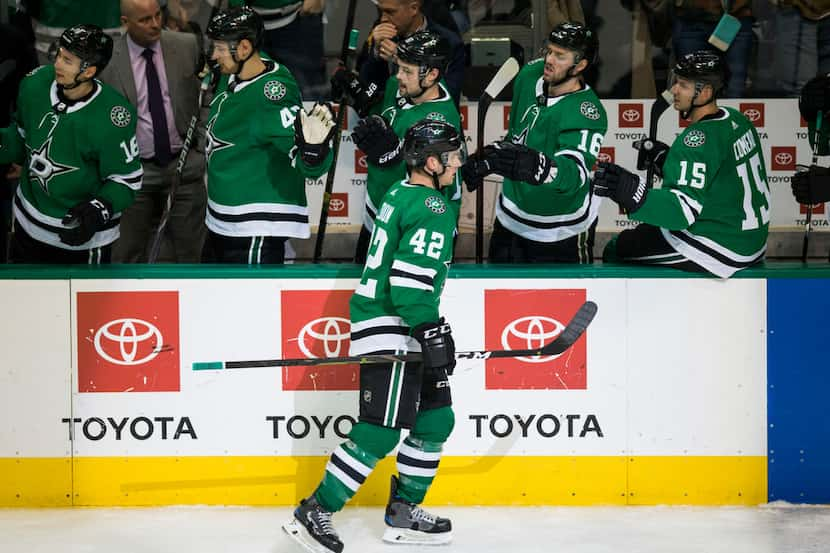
x,y
156,71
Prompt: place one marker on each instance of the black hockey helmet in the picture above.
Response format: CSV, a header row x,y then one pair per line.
x,y
703,67
236,23
578,38
89,43
431,137
425,49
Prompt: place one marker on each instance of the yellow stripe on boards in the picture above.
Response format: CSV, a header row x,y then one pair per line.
x,y
127,481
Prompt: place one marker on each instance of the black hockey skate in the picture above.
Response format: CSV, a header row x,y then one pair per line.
x,y
407,523
311,527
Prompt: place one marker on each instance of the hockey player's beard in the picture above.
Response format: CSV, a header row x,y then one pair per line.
x,y
553,83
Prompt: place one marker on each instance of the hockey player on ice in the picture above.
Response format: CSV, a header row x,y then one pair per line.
x,y
415,92
546,212
395,309
712,212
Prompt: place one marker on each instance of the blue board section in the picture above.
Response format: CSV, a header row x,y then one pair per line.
x,y
798,376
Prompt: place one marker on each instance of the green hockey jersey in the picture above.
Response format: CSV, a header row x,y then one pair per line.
x,y
402,113
568,129
256,178
714,205
56,15
406,267
70,153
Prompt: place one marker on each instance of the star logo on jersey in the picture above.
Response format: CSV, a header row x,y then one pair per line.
x,y
435,116
694,138
212,142
43,168
589,110
521,137
436,205
120,116
274,90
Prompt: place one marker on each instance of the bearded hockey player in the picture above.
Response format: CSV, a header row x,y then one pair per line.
x,y
712,212
75,138
546,212
395,309
261,145
416,92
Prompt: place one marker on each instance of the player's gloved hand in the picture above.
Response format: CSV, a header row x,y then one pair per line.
x,y
313,132
361,97
437,345
812,186
815,97
518,162
376,138
622,186
87,218
651,153
474,170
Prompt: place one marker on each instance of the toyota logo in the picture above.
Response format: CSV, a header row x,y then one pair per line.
x,y
336,204
753,114
783,158
129,334
605,156
333,332
631,115
530,333
361,161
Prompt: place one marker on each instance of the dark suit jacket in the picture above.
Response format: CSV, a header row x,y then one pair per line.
x,y
181,56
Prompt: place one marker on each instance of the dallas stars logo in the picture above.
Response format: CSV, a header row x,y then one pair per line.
x,y
43,168
694,138
212,142
435,204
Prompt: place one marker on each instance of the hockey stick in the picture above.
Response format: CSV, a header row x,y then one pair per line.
x,y
574,329
808,226
349,46
207,81
664,99
503,76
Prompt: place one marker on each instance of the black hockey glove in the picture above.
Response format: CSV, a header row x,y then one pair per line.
x,y
815,97
87,218
313,132
359,95
622,186
376,138
651,153
811,186
474,170
437,345
518,162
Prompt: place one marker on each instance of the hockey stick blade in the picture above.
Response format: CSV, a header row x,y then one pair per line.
x,y
504,75
567,338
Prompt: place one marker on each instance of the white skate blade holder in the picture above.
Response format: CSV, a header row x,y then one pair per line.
x,y
299,534
413,537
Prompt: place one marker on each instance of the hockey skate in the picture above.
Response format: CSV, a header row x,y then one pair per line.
x,y
311,527
408,523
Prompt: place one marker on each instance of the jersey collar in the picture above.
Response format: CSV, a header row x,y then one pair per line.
x,y
719,115
236,85
60,106
544,100
405,103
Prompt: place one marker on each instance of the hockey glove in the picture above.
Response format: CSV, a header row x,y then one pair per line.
x,y
376,138
651,153
437,345
812,186
815,97
622,186
474,170
87,218
313,132
518,162
359,95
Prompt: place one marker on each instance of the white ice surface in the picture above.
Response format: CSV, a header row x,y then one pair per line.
x,y
775,528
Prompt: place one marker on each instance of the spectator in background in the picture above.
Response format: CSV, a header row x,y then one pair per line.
x,y
156,70
51,17
802,29
694,22
400,19
294,37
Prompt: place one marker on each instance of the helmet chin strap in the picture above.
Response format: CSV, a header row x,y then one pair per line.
x,y
421,77
692,106
568,76
75,81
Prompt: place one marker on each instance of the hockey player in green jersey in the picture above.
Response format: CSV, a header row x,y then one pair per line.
x,y
546,211
712,212
416,92
395,309
260,147
75,138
